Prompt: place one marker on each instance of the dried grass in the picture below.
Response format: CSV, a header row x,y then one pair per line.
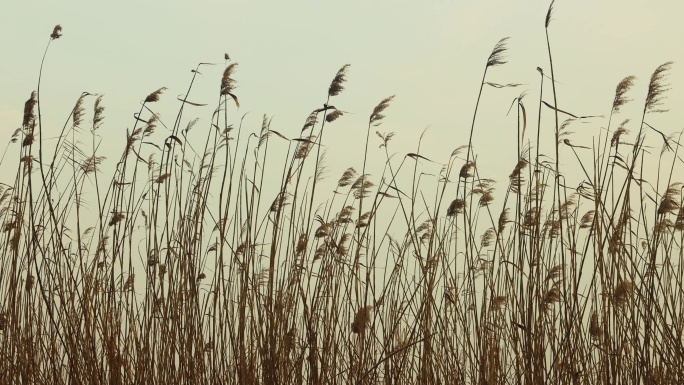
x,y
228,263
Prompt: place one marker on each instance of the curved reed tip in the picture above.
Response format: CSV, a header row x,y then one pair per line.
x,y
615,140
311,120
154,97
497,56
56,32
29,116
621,90
467,170
331,117
377,115
548,14
670,201
553,295
337,84
456,207
98,114
78,111
227,82
657,87
347,177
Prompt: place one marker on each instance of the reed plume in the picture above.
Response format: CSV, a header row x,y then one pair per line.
x,y
227,81
547,21
622,88
154,97
377,116
657,88
337,84
497,56
56,32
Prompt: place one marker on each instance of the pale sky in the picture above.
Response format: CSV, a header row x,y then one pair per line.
x,y
431,54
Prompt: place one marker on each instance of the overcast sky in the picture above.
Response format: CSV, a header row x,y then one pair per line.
x,y
429,53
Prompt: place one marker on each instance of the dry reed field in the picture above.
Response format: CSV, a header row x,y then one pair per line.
x,y
226,262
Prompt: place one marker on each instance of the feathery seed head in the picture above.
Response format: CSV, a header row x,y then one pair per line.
x,y
551,296
377,115
56,32
130,281
304,147
30,280
152,124
79,111
467,170
496,58
358,183
517,178
623,293
322,231
385,138
116,218
555,273
587,219
90,164
486,198
455,207
498,302
28,139
361,320
618,133
154,97
337,84
503,219
620,91
227,82
331,117
548,15
657,87
347,177
311,120
364,190
488,237
98,115
594,326
531,217
29,116
670,201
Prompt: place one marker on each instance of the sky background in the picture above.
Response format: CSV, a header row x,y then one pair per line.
x,y
431,54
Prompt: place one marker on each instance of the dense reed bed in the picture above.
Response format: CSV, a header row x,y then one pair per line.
x,y
224,263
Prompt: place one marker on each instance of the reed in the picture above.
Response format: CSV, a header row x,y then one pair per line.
x,y
227,262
